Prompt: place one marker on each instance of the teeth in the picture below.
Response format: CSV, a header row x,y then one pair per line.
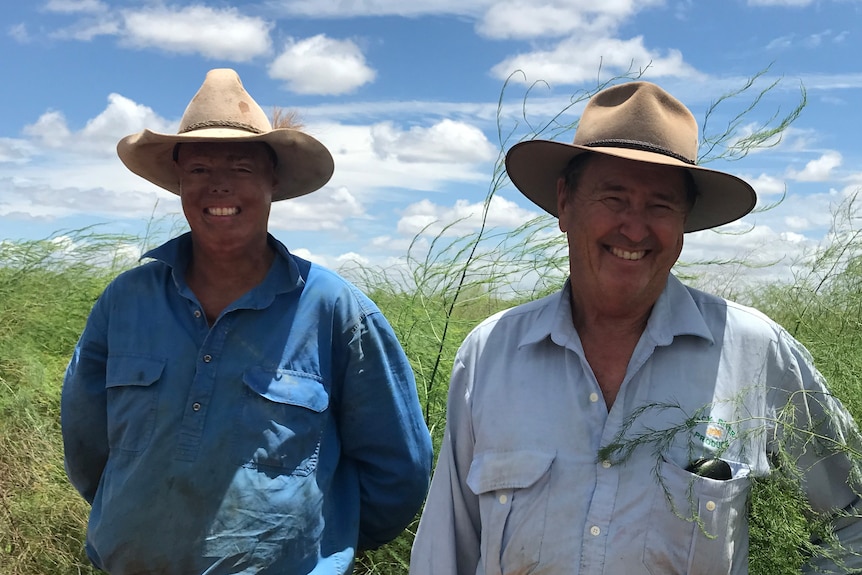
x,y
627,255
222,211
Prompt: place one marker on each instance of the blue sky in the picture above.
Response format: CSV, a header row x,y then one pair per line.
x,y
405,95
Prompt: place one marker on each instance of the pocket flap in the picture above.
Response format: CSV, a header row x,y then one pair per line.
x,y
288,387
492,470
126,370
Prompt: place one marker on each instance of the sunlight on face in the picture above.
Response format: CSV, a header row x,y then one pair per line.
x,y
624,225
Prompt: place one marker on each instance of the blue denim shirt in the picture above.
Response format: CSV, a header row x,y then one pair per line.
x,y
522,484
275,441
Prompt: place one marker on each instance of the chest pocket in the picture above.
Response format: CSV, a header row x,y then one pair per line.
x,y
513,489
282,415
699,525
132,395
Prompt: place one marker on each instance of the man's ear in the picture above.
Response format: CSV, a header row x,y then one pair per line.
x,y
562,202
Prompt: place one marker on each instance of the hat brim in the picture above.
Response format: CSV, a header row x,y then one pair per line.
x,y
304,164
534,166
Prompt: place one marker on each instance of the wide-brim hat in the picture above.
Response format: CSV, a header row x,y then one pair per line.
x,y
222,111
636,121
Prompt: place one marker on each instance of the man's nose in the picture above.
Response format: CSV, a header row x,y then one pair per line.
x,y
634,223
219,181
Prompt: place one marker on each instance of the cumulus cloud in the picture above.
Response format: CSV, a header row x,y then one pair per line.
x,y
321,65
327,209
444,142
223,34
340,9
819,170
575,60
49,200
768,186
120,118
461,218
15,151
541,19
371,176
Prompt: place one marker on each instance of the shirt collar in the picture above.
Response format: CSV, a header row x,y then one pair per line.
x,y
674,313
284,276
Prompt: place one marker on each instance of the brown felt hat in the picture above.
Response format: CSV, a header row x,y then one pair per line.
x,y
636,121
222,111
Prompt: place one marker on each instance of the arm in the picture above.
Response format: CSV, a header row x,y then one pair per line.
x,y
383,432
821,438
450,529
83,412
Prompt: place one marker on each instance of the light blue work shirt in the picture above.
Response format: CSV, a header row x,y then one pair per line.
x,y
521,485
274,441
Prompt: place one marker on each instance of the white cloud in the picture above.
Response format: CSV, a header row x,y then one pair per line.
x,y
780,43
325,209
444,142
767,186
819,170
46,199
15,151
100,135
576,60
341,9
75,6
462,218
19,33
222,34
86,30
542,19
370,176
321,65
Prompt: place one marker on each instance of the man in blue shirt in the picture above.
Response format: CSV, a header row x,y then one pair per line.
x,y
614,427
230,407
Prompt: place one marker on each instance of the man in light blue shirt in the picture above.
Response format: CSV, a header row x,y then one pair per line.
x,y
230,407
615,427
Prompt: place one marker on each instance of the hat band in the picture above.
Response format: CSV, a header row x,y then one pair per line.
x,y
637,145
221,124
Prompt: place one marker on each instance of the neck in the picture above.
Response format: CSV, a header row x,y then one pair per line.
x,y
220,277
607,324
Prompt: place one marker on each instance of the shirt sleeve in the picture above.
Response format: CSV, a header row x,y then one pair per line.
x,y
449,533
83,407
819,435
383,432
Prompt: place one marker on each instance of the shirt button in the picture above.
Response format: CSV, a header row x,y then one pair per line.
x,y
503,499
196,406
710,505
606,464
594,397
595,531
197,313
208,358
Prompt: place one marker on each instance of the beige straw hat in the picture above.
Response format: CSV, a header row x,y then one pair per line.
x,y
637,121
223,111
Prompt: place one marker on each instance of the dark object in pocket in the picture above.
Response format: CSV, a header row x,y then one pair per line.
x,y
711,468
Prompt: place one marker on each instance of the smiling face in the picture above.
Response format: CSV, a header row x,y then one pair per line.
x,y
226,192
624,223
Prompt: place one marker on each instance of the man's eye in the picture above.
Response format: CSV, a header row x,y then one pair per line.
x,y
613,203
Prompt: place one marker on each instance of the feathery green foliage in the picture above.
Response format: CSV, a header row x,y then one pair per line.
x,y
449,282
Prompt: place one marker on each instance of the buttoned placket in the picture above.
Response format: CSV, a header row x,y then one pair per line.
x,y
203,384
601,507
